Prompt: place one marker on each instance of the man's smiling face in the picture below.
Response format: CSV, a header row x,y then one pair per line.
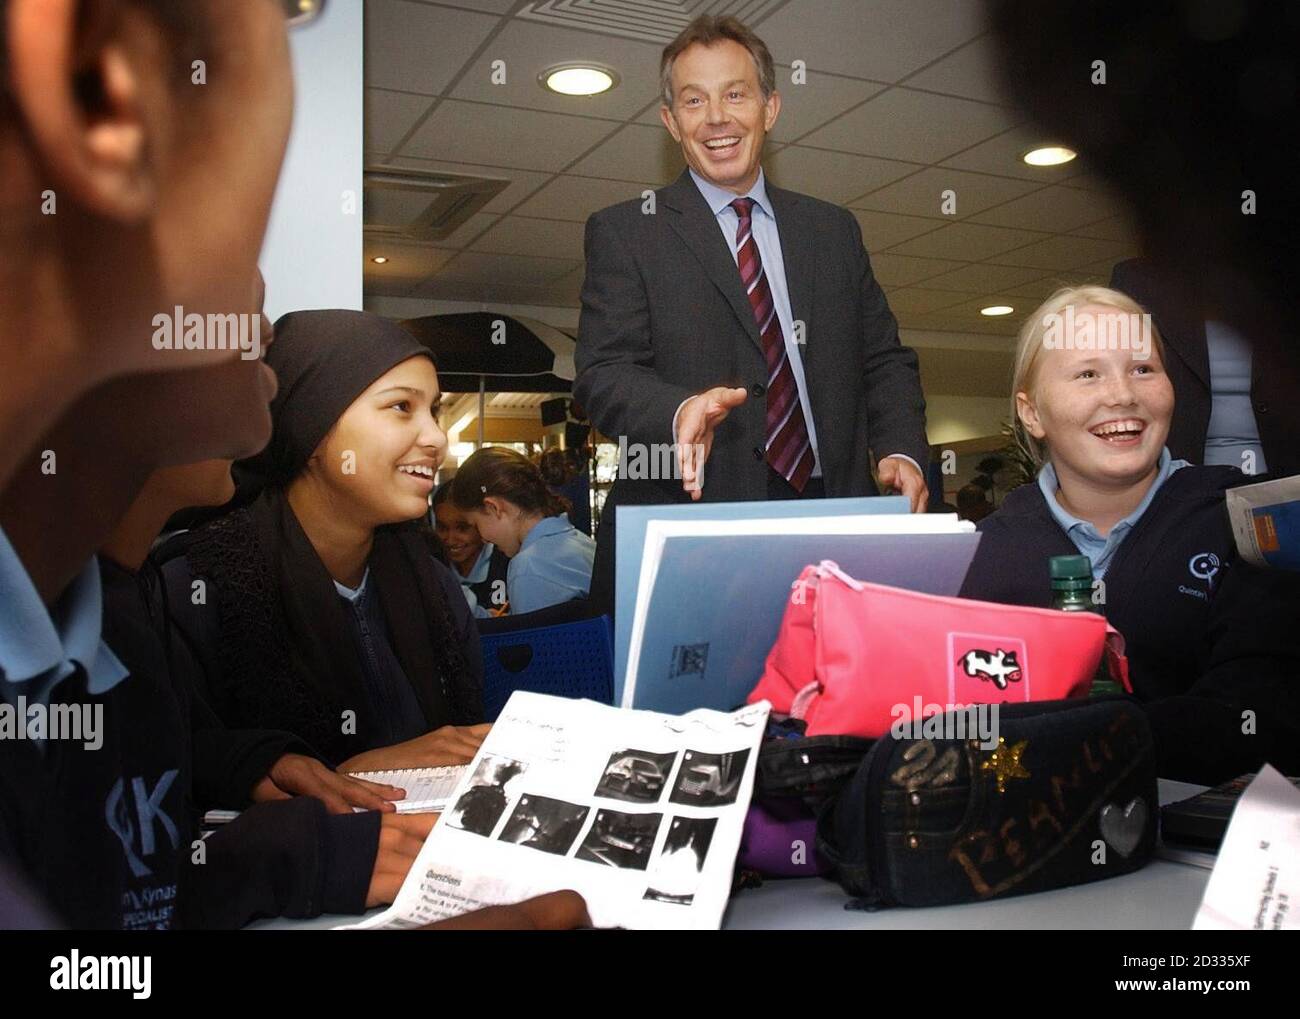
x,y
719,115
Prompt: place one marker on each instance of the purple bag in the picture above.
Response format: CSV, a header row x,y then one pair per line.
x,y
795,776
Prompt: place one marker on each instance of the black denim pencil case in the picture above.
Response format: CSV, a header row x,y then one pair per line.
x,y
1067,796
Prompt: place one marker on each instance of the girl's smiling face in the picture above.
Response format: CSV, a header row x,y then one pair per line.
x,y
379,459
458,533
1103,414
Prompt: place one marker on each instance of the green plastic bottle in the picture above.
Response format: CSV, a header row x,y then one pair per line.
x,y
1072,592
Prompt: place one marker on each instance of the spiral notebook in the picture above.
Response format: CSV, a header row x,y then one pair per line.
x,y
427,789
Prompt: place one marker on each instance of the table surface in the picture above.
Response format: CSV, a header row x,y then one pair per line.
x,y
1163,895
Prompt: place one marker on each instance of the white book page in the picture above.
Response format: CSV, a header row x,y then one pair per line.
x,y
639,812
1255,884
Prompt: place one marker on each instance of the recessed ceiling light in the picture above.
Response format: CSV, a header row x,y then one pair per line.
x,y
1049,155
994,310
379,259
578,79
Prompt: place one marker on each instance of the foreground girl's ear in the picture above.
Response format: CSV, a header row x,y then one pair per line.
x,y
82,82
1028,414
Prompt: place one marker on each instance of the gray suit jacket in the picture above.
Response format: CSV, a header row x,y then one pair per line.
x,y
664,316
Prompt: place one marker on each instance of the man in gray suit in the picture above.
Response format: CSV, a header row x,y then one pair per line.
x,y
737,323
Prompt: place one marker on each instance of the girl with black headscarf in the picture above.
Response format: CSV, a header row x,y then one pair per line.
x,y
318,607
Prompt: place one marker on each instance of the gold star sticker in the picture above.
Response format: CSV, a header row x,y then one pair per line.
x,y
1004,762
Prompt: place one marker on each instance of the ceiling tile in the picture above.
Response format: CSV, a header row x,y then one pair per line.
x,y
878,39
922,193
576,198
632,154
830,176
1064,252
916,126
1117,228
517,235
527,48
389,115
906,300
1054,209
971,72
966,241
808,106
1041,288
881,230
983,278
528,139
901,270
418,48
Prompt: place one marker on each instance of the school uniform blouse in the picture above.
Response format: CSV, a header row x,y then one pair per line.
x,y
552,565
1087,539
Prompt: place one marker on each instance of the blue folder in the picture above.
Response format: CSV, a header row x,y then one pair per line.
x,y
630,539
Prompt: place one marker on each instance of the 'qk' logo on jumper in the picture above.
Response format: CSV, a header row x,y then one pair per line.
x,y
983,667
138,832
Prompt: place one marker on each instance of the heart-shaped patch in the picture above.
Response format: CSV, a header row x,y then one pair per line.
x,y
1122,829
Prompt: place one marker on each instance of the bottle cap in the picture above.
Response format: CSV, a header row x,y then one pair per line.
x,y
1070,571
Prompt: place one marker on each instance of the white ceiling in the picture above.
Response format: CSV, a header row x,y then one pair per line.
x,y
900,104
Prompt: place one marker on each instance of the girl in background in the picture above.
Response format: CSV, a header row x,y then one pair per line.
x,y
480,565
503,494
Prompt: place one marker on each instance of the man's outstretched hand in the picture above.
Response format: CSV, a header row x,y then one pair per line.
x,y
901,476
696,420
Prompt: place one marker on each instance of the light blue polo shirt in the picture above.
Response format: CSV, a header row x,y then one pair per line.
x,y
40,648
552,565
1086,538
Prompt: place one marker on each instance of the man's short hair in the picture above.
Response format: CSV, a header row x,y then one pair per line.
x,y
708,29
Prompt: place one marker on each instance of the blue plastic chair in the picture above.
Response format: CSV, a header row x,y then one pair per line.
x,y
574,659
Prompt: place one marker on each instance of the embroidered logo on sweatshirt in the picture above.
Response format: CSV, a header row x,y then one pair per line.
x,y
132,818
1204,565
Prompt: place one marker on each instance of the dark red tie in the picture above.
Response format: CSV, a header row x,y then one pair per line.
x,y
789,450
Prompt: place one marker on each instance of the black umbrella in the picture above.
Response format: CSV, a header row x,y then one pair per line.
x,y
482,350
486,350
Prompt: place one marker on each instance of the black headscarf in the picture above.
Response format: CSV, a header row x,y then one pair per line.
x,y
288,655
323,361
